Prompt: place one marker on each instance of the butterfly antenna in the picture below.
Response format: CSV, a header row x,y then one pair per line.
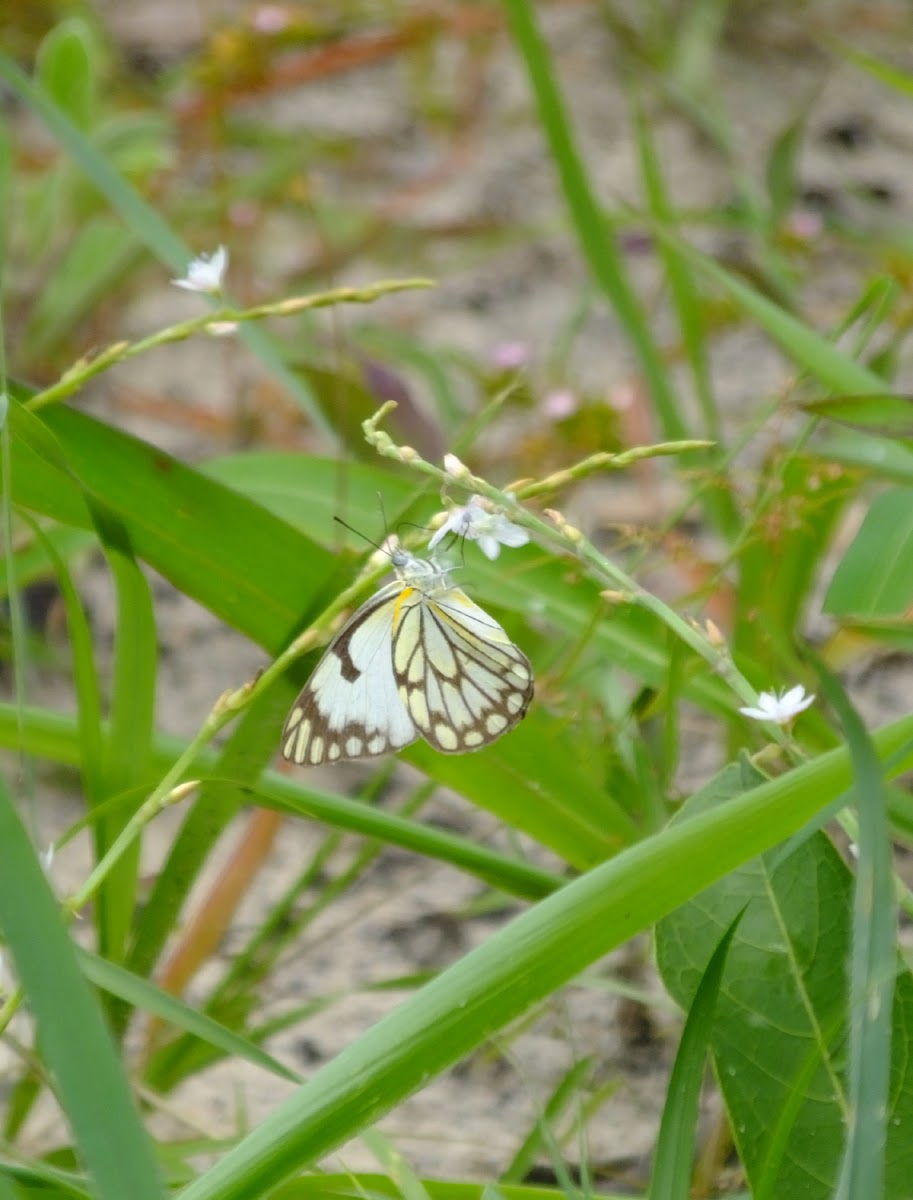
x,y
358,533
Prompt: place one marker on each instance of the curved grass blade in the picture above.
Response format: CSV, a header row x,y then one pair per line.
x,y
594,234
132,711
674,1161
517,967
871,1093
76,1046
53,736
139,993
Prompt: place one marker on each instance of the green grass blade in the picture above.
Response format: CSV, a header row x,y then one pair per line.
x,y
674,1161
88,692
871,1096
596,240
45,1182
874,578
53,736
75,1044
366,1186
892,77
689,310
144,996
565,1095
132,711
809,349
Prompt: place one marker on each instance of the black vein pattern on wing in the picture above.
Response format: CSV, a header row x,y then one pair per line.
x,y
462,689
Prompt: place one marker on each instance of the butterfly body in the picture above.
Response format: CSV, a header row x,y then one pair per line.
x,y
417,659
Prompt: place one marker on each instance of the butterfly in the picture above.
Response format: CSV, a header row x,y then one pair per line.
x,y
417,659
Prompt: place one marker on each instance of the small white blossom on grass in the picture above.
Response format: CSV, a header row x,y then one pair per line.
x,y
779,707
205,273
491,530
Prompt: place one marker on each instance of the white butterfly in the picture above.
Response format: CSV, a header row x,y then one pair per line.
x,y
417,659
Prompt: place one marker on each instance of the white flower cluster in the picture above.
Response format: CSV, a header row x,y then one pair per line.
x,y
491,530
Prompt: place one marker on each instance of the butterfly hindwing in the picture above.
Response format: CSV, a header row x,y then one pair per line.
x,y
351,707
461,678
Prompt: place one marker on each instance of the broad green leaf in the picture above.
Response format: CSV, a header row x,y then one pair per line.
x,y
76,1047
543,792
874,578
310,492
886,459
779,1036
247,566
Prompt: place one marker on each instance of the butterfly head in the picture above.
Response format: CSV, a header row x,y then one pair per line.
x,y
423,574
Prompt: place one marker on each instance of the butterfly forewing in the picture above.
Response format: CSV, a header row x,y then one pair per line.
x,y
461,678
350,707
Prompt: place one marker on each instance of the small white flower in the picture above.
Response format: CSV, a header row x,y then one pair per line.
x,y
204,273
779,707
475,522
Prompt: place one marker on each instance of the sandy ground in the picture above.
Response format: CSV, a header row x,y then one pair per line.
x,y
405,915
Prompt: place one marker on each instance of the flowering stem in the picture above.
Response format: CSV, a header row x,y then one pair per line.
x,y
561,533
87,368
603,461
